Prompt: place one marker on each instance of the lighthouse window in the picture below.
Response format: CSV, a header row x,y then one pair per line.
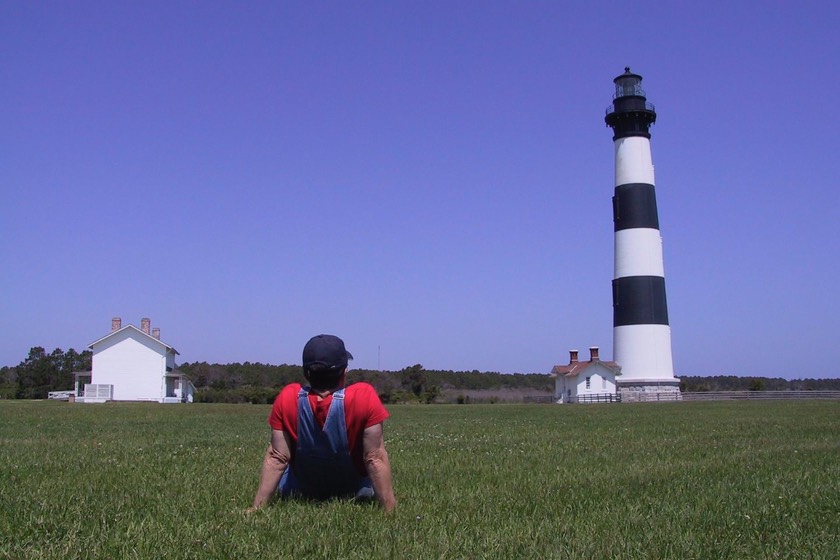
x,y
628,86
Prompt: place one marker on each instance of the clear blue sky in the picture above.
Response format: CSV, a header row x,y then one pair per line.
x,y
431,181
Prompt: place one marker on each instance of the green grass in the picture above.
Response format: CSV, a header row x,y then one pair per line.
x,y
676,480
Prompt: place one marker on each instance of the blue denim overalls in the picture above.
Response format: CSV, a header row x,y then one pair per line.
x,y
322,467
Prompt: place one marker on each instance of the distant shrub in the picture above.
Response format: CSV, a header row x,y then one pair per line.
x,y
8,390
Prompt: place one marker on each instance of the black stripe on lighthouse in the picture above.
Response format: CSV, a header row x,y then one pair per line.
x,y
639,300
634,206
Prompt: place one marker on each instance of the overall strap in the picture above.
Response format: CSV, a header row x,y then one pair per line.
x,y
307,431
335,426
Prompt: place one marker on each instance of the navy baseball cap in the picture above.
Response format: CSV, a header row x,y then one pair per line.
x,y
326,351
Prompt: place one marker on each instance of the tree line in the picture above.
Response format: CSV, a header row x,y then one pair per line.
x,y
735,383
259,383
42,372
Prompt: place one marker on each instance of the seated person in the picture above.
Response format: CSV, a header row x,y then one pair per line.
x,y
326,439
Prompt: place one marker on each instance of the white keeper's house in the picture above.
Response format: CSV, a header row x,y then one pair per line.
x,y
585,382
131,364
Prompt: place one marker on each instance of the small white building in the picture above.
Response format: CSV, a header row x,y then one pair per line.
x,y
131,364
585,382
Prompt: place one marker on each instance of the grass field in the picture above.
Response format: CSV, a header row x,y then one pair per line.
x,y
676,480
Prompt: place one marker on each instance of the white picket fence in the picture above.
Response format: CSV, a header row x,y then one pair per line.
x,y
706,396
758,395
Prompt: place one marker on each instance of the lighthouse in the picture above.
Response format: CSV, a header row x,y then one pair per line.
x,y
641,332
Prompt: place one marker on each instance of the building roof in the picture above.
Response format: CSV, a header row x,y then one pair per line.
x,y
139,331
576,368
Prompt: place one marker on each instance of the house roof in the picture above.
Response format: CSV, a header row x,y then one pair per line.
x,y
132,327
576,368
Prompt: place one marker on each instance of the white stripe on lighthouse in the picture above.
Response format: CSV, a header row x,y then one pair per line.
x,y
633,162
638,252
643,352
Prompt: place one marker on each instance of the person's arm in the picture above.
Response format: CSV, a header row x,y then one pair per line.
x,y
277,456
379,466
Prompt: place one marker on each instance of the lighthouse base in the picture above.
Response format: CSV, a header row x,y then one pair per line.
x,y
649,390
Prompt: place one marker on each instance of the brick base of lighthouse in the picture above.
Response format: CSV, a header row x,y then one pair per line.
x,y
639,390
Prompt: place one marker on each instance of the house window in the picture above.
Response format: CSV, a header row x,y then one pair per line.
x,y
588,382
603,383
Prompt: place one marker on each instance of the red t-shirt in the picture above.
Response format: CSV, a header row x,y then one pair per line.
x,y
362,409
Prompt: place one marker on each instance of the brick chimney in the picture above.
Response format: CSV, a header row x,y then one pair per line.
x,y
116,324
573,356
593,354
145,325
156,333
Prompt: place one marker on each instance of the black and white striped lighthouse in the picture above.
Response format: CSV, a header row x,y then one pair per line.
x,y
641,332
